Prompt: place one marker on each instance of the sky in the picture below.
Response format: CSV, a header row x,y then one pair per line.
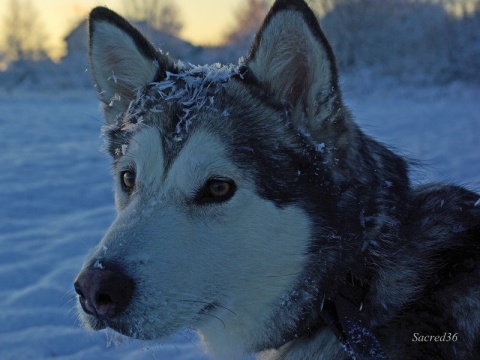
x,y
205,21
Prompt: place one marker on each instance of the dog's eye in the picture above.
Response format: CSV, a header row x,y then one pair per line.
x,y
216,190
128,179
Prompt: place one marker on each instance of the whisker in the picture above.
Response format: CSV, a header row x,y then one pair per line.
x,y
283,275
189,339
91,117
216,317
212,304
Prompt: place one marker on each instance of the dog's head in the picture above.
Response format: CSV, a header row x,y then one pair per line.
x,y
216,170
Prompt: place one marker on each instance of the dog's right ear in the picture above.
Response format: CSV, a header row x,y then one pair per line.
x,y
122,61
292,59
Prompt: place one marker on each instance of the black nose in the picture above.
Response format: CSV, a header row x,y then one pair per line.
x,y
104,292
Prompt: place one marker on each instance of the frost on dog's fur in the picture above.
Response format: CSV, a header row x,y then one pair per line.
x,y
200,84
253,209
193,87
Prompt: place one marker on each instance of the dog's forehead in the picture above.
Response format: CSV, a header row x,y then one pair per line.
x,y
188,91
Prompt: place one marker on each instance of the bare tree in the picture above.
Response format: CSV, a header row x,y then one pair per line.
x,y
249,17
459,8
160,14
24,35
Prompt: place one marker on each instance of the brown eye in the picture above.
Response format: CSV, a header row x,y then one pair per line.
x,y
128,180
216,189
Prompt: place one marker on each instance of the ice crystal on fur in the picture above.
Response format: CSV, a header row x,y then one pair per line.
x,y
194,88
359,334
320,147
191,87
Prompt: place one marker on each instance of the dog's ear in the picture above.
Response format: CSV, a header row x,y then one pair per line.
x,y
122,60
293,60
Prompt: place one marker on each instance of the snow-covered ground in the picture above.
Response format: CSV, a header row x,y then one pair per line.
x,y
56,202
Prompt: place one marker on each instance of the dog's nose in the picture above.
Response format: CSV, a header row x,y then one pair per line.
x,y
104,292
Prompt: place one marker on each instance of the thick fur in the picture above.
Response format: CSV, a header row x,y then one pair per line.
x,y
319,208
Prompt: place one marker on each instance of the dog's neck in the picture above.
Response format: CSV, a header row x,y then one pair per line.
x,y
344,311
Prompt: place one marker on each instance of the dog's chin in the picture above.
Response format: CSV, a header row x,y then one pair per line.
x,y
124,328
129,331
146,330
96,324
92,322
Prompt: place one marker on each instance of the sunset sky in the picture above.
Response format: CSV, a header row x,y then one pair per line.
x,y
204,21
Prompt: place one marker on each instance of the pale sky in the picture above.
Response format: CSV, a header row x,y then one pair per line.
x,y
205,21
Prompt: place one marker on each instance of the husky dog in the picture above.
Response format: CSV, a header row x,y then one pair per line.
x,y
254,210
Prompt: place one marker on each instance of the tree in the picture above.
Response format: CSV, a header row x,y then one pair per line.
x,y
459,8
249,18
388,33
23,32
464,50
159,14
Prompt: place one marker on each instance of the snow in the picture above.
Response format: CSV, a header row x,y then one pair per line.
x,y
57,202
201,83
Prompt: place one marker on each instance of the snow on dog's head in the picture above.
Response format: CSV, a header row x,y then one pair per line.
x,y
184,94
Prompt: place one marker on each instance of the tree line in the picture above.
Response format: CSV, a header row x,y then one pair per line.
x,y
436,39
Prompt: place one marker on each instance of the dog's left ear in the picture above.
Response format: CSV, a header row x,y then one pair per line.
x,y
293,60
122,60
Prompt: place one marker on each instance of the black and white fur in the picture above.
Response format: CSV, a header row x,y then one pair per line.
x,y
253,209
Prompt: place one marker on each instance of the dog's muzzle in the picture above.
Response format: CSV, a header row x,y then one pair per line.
x,y
104,292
